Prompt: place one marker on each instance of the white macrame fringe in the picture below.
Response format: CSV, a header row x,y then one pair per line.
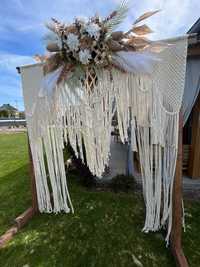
x,y
80,116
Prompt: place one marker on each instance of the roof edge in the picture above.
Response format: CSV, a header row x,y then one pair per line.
x,y
194,27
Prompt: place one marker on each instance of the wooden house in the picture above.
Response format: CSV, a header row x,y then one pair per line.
x,y
191,106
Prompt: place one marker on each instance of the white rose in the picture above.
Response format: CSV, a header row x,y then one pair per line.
x,y
93,30
72,41
84,56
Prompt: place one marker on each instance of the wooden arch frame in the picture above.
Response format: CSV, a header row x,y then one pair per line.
x,y
176,232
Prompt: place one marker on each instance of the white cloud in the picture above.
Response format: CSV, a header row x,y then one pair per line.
x,y
9,62
175,18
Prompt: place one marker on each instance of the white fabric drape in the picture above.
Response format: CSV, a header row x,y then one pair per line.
x,y
192,87
147,103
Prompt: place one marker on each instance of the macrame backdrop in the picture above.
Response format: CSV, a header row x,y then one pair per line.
x,y
148,103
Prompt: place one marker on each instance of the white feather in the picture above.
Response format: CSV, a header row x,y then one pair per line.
x,y
135,62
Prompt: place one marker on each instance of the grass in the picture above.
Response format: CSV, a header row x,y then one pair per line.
x,y
104,231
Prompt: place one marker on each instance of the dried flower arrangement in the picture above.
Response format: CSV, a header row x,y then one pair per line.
x,y
93,42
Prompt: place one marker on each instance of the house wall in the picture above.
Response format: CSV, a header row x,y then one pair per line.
x,y
194,156
194,151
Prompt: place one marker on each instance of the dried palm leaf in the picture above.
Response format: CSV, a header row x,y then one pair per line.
x,y
52,63
114,13
117,17
70,29
58,24
141,30
138,40
146,15
158,47
67,68
139,43
56,27
40,58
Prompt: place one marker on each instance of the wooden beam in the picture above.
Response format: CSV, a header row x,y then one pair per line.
x,y
22,219
8,236
194,163
177,219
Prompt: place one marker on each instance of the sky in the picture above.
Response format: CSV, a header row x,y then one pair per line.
x,y
22,29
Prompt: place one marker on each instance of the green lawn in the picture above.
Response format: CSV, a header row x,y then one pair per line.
x,y
104,231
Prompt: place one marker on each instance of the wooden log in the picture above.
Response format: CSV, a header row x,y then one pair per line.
x,y
22,219
8,236
176,233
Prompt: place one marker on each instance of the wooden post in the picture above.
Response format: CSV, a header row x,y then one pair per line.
x,y
176,233
33,182
29,213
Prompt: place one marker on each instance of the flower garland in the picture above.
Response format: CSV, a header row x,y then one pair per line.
x,y
93,43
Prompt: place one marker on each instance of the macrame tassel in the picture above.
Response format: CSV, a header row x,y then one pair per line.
x,y
156,131
88,120
43,194
133,136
